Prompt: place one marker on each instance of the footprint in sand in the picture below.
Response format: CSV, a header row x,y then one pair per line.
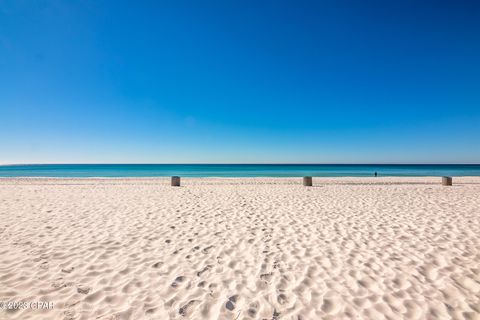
x,y
275,315
177,281
58,284
208,267
83,289
266,277
69,315
207,249
177,251
253,309
68,270
252,312
230,305
282,299
186,309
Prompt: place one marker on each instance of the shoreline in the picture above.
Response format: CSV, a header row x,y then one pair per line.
x,y
382,180
238,178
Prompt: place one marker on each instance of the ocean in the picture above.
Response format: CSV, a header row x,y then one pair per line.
x,y
238,170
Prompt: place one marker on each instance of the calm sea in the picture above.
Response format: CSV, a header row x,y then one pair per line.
x,y
235,170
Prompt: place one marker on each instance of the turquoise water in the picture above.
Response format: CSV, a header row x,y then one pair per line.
x,y
235,170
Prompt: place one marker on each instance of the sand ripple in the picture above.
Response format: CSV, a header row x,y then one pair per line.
x,y
386,248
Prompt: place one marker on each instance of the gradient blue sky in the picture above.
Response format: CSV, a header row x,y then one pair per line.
x,y
239,81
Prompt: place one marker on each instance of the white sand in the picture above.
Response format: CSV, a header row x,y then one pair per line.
x,y
368,248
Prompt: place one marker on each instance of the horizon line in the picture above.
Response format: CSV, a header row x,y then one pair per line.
x,y
232,163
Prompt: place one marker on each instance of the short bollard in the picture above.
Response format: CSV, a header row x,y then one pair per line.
x,y
446,181
307,181
175,181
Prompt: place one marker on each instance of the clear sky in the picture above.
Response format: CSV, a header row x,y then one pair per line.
x,y
239,81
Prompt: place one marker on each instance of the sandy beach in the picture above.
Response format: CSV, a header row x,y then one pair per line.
x,y
240,248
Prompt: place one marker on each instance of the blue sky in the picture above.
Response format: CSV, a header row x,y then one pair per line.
x,y
239,81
